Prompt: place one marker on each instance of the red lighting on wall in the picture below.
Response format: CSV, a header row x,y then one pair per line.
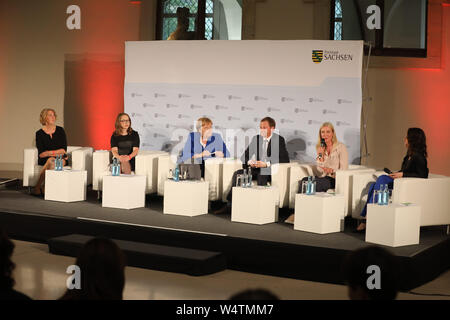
x,y
101,85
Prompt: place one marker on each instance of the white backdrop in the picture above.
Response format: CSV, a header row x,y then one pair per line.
x,y
170,84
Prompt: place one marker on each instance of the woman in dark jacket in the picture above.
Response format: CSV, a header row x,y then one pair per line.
x,y
414,165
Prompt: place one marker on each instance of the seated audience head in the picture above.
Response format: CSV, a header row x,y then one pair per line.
x,y
416,142
6,264
47,116
327,133
254,294
123,122
204,126
266,127
102,267
371,273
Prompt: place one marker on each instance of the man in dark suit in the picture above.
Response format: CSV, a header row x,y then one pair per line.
x,y
265,150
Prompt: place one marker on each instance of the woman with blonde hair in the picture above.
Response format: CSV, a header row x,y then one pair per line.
x,y
203,144
51,141
125,143
332,155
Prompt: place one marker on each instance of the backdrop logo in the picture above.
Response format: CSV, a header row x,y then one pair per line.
x,y
342,123
273,109
312,99
298,110
299,132
183,116
325,111
195,106
169,105
286,99
148,105
286,121
181,95
244,108
159,95
313,122
340,101
208,96
324,55
231,97
133,95
233,119
258,98
160,115
218,107
317,56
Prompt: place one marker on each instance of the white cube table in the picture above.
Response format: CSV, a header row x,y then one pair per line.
x,y
186,198
65,186
256,205
124,191
319,213
393,225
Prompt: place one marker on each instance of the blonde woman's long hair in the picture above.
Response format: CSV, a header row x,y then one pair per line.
x,y
329,125
117,131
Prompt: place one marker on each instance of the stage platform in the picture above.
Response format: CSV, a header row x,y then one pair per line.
x,y
273,249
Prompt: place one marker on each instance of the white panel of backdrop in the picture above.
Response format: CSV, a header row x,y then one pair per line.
x,y
299,83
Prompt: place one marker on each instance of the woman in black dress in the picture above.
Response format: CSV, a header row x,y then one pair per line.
x,y
125,143
414,165
50,141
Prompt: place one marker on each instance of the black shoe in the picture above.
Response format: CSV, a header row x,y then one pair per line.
x,y
221,210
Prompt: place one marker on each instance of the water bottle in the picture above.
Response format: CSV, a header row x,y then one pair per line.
x,y
116,167
386,195
245,182
308,187
58,161
313,185
380,195
113,167
176,174
249,182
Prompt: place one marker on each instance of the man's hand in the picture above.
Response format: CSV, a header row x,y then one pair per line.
x,y
260,164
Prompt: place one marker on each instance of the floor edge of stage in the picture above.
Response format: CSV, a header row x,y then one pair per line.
x,y
303,262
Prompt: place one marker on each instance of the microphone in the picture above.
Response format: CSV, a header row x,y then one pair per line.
x,y
323,144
